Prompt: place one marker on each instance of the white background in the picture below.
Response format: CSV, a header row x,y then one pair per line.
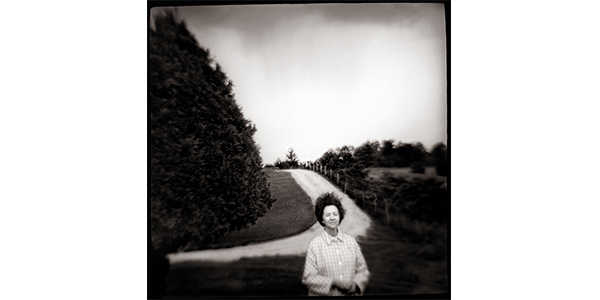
x,y
524,123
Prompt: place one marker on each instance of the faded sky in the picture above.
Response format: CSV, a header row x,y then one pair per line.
x,y
320,76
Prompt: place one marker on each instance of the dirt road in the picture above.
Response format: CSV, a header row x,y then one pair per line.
x,y
355,223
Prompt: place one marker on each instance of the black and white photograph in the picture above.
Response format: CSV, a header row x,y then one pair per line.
x,y
264,150
299,150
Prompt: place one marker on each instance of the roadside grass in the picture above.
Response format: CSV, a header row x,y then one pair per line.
x,y
397,267
292,213
274,276
376,173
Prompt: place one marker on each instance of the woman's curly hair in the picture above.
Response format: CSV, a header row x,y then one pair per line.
x,y
325,200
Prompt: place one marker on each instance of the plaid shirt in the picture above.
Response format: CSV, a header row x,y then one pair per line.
x,y
338,256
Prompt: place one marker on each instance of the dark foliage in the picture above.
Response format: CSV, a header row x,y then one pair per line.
x,y
417,168
386,154
439,155
291,159
365,153
396,201
282,164
419,199
206,171
339,158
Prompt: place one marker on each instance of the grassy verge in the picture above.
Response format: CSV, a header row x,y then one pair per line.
x,y
292,213
278,276
400,267
397,268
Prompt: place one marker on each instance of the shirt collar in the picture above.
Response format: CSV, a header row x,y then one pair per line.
x,y
328,238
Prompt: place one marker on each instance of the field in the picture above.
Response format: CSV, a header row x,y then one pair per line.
x,y
277,222
376,173
397,266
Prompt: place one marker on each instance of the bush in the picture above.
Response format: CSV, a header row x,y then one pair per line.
x,y
441,169
417,168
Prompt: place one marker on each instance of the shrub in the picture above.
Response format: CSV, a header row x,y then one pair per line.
x,y
417,168
441,169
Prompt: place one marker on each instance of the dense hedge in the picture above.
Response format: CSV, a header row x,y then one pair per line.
x,y
206,174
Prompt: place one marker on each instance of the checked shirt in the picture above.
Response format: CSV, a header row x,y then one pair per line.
x,y
329,257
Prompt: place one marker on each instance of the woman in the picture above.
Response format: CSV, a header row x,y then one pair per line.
x,y
334,263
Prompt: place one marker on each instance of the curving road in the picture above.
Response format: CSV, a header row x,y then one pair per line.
x,y
355,223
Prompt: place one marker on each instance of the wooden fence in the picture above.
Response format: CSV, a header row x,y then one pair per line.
x,y
364,199
380,209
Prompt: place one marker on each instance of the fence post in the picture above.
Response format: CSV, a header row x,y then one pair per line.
x,y
375,206
362,204
345,182
338,178
387,214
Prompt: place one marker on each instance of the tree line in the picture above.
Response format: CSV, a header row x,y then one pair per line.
x,y
415,206
375,154
205,167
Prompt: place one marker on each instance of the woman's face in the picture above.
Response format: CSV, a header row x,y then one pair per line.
x,y
331,217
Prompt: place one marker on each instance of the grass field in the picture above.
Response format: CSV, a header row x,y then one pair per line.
x,y
397,266
376,173
277,222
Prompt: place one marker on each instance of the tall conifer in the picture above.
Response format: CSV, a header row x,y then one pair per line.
x,y
206,171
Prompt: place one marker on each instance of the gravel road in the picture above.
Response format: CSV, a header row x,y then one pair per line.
x,y
355,223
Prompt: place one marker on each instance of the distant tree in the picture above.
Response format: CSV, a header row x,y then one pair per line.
x,y
408,154
387,148
346,156
439,155
329,159
387,153
418,154
339,158
402,155
365,153
291,158
281,164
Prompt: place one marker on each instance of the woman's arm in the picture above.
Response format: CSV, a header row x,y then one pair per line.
x,y
316,283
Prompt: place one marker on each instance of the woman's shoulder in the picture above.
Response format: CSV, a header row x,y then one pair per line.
x,y
350,238
315,240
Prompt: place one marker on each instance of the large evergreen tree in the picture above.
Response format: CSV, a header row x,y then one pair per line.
x,y
206,171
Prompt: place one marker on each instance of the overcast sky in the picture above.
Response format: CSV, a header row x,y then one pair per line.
x,y
320,76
